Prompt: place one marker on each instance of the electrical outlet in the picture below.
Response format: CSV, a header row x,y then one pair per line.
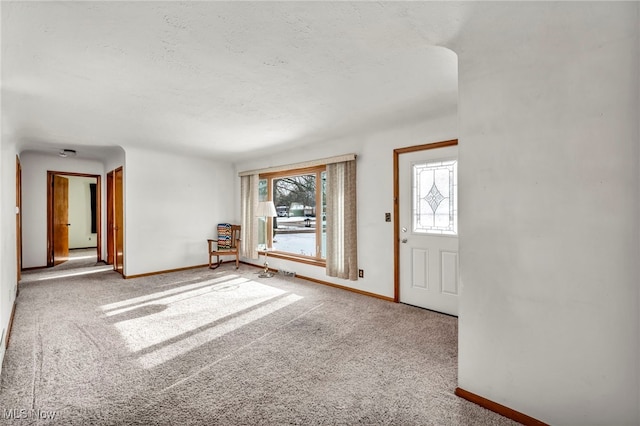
x,y
361,273
387,217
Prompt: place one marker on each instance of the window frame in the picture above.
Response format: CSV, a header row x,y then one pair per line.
x,y
316,260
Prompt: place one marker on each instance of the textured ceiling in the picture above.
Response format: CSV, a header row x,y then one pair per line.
x,y
221,79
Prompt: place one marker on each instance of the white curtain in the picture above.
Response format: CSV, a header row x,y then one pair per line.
x,y
249,204
342,238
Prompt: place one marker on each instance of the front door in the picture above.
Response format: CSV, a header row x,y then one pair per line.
x,y
428,231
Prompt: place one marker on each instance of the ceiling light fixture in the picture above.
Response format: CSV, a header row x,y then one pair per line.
x,y
67,153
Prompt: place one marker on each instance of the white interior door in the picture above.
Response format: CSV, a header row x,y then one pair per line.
x,y
428,229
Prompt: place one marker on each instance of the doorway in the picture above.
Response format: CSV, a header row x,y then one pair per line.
x,y
426,234
73,218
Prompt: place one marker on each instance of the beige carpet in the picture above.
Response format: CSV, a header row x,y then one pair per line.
x,y
224,347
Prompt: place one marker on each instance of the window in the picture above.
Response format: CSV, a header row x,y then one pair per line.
x,y
435,201
316,214
299,229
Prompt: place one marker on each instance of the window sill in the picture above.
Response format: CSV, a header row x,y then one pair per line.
x,y
300,259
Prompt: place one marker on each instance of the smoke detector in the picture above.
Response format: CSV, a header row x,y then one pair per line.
x,y
67,153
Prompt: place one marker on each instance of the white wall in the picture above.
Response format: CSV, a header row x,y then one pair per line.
x,y
113,159
80,235
549,208
34,200
172,205
375,195
8,259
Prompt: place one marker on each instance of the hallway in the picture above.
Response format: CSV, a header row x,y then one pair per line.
x,y
81,262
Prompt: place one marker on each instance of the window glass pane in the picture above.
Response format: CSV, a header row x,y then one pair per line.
x,y
262,190
295,226
435,200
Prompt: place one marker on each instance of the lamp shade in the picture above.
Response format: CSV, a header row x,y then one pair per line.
x,y
266,209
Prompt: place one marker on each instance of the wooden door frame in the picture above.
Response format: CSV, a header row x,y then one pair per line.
x,y
118,267
110,207
396,205
19,217
50,175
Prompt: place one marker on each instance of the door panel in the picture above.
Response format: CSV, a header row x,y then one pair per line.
x,y
119,220
420,266
60,219
449,274
428,229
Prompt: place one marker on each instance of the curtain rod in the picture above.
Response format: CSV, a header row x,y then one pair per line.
x,y
313,163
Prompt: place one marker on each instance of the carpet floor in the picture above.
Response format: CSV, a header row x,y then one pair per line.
x,y
224,347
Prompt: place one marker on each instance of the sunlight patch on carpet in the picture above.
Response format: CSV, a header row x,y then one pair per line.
x,y
91,256
174,319
109,308
193,341
92,270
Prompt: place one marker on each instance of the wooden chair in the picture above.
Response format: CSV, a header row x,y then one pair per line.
x,y
227,244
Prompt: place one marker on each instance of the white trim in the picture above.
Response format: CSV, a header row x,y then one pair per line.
x,y
321,162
